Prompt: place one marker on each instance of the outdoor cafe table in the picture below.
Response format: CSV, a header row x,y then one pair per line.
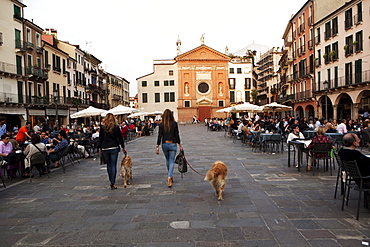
x,y
300,145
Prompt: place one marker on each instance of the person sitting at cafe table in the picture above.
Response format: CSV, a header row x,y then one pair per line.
x,y
23,133
12,140
329,128
348,152
44,138
31,149
319,138
295,134
342,127
6,146
56,153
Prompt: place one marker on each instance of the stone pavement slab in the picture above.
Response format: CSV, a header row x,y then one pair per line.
x,y
265,202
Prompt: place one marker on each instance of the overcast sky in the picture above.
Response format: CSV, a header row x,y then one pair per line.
x,y
128,35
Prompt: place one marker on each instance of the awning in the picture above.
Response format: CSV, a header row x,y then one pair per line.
x,y
61,112
36,112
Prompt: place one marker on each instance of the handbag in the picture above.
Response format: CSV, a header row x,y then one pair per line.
x,y
181,161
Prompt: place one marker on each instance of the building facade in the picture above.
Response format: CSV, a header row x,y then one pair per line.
x,y
342,77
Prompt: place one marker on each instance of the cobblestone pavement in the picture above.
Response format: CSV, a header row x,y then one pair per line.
x,y
265,202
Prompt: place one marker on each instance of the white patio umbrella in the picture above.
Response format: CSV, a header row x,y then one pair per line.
x,y
119,110
275,107
225,110
246,107
156,113
88,112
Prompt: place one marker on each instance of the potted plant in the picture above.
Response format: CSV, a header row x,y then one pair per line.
x,y
325,55
355,42
345,47
332,53
35,66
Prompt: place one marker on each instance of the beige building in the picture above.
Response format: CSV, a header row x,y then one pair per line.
x,y
159,90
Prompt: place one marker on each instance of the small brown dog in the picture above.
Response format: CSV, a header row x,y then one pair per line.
x,y
217,177
126,170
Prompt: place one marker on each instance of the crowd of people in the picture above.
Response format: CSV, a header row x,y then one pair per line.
x,y
30,139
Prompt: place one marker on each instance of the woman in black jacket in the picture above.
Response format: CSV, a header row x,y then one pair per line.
x,y
168,136
110,139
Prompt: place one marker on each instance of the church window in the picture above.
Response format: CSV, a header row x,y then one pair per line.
x,y
187,103
203,87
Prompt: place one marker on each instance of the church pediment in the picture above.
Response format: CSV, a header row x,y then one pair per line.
x,y
203,52
204,101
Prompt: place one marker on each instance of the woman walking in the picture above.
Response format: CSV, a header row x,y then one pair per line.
x,y
168,136
110,139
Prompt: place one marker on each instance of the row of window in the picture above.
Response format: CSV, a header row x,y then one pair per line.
x,y
157,83
221,103
238,70
167,97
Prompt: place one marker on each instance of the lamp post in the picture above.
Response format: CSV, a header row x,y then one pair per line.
x,y
56,98
326,85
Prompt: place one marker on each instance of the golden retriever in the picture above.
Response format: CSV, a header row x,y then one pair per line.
x,y
217,177
126,170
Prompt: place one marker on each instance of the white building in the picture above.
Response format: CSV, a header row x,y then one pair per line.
x,y
158,91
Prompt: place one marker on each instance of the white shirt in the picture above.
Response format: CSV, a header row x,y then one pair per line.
x,y
292,136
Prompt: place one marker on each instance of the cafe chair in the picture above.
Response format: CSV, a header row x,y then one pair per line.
x,y
340,176
353,173
14,164
274,143
365,139
38,160
66,156
2,168
322,149
256,141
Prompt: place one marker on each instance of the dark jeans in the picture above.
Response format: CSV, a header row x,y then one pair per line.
x,y
111,156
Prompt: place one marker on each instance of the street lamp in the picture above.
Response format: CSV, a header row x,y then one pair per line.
x,y
56,98
326,86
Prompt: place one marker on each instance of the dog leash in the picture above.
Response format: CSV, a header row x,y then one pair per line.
x,y
191,166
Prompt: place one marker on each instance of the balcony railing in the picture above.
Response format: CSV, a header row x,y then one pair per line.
x,y
344,81
20,44
303,95
310,44
11,69
32,71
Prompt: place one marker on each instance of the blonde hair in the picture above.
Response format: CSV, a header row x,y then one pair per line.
x,y
109,122
167,118
320,131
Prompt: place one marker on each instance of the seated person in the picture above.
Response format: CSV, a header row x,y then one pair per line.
x,y
13,141
348,152
295,134
6,146
34,147
81,148
96,134
239,129
56,153
44,138
320,138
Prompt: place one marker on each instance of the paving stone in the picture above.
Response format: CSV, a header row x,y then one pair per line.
x,y
265,202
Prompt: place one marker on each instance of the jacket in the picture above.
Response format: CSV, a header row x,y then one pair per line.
x,y
172,135
110,140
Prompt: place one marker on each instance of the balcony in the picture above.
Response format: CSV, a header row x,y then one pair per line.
x,y
317,40
37,100
20,45
348,50
310,44
304,95
347,81
36,72
30,45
